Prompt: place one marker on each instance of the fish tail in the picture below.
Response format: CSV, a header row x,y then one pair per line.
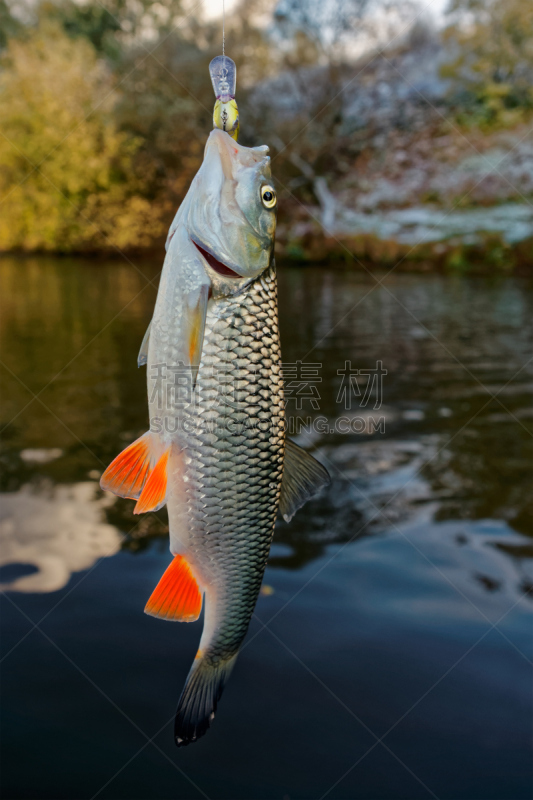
x,y
198,702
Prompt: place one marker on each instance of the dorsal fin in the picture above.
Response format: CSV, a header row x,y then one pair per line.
x,y
303,476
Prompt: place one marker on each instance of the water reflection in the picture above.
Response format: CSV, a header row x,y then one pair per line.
x,y
55,530
384,587
447,343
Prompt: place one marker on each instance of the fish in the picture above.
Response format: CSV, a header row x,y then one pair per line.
x,y
216,452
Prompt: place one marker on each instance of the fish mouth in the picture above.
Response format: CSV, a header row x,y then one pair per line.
x,y
216,265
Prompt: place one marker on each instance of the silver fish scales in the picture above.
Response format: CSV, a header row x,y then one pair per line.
x,y
236,465
220,459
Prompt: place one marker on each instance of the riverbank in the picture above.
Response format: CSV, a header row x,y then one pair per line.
x,y
420,238
395,160
440,197
400,240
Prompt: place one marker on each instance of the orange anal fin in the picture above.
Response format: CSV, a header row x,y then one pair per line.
x,y
127,474
154,492
177,596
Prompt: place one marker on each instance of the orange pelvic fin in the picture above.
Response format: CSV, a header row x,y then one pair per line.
x,y
127,474
154,493
177,596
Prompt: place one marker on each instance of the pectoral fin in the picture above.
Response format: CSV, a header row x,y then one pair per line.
x,y
189,285
194,327
303,476
142,358
195,310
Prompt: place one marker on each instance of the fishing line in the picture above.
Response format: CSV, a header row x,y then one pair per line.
x,y
223,74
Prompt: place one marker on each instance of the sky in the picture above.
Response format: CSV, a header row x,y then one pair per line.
x,y
213,8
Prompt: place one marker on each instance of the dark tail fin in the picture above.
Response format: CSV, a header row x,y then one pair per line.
x,y
198,702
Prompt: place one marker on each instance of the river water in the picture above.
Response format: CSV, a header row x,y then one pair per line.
x,y
391,651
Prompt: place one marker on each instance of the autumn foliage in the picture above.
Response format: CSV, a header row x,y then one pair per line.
x,y
105,108
68,176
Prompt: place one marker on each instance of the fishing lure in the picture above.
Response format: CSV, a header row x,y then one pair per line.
x,y
224,79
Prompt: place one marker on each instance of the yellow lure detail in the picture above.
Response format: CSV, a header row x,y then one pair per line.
x,y
226,117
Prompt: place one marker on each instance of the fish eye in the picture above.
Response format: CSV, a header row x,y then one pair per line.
x,y
268,196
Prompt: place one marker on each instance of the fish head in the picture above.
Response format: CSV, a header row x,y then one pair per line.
x,y
221,239
231,218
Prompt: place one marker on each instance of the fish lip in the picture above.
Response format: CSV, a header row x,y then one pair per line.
x,y
215,264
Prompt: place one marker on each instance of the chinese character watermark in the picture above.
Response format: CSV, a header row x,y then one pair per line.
x,y
300,380
229,394
372,379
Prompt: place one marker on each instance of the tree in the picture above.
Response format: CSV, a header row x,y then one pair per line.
x,y
493,65
328,24
68,179
113,25
9,26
